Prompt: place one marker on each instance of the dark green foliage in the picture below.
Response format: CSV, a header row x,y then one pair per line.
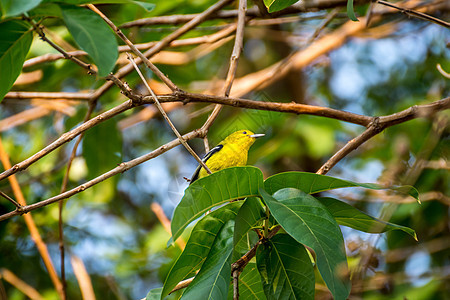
x,y
284,265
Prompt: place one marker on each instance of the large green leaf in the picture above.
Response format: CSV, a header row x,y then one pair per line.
x,y
250,286
310,223
11,8
312,183
276,5
285,268
250,214
15,41
46,10
347,215
92,35
215,189
214,277
199,245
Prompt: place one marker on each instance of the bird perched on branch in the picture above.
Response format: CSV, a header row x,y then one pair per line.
x,y
231,152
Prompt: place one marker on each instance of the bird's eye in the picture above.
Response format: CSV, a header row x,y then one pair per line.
x,y
245,132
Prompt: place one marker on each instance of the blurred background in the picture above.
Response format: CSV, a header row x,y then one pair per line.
x,y
114,230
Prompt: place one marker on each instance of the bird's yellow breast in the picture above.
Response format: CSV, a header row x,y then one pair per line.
x,y
230,156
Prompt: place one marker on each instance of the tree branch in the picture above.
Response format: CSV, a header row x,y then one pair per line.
x,y
414,13
416,111
17,205
40,31
378,124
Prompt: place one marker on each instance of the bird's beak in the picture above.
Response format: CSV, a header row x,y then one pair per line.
x,y
257,135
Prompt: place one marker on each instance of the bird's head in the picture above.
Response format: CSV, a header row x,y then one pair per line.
x,y
242,138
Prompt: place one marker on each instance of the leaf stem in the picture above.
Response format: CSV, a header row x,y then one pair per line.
x,y
266,222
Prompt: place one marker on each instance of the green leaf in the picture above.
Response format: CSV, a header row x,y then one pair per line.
x,y
250,214
347,215
250,286
11,8
351,11
15,41
215,189
214,277
154,294
311,183
276,5
46,10
92,35
310,223
285,268
147,6
199,245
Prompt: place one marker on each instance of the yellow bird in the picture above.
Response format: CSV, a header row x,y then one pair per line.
x,y
231,152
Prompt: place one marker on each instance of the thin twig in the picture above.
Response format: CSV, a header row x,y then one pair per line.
x,y
40,31
48,95
166,117
323,24
235,275
133,48
17,205
414,13
182,284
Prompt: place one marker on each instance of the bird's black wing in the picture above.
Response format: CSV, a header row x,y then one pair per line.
x,y
205,159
